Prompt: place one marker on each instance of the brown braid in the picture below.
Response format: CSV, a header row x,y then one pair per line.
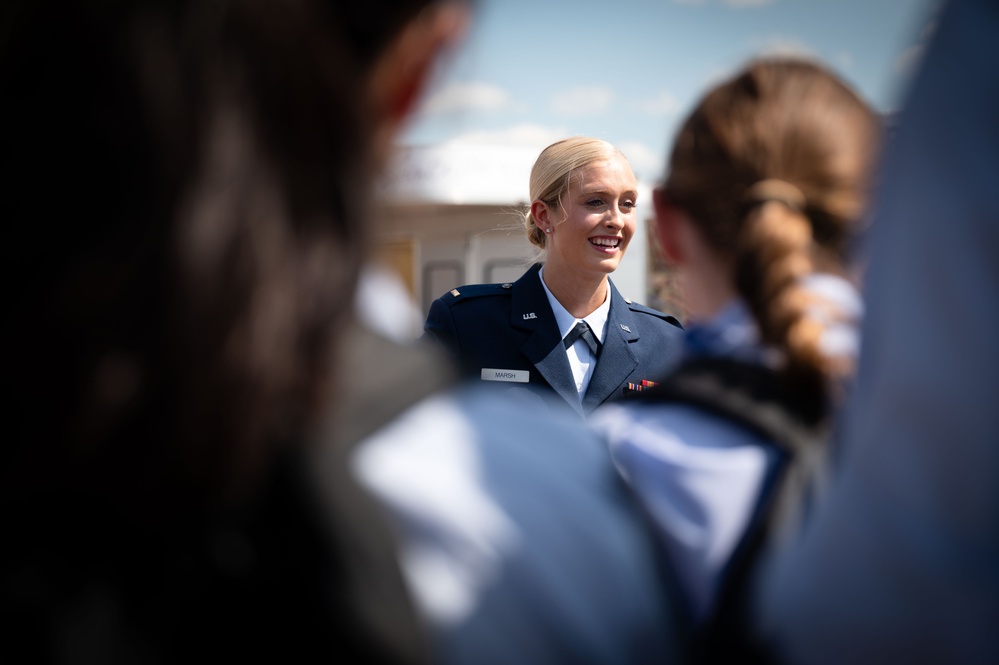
x,y
772,166
773,254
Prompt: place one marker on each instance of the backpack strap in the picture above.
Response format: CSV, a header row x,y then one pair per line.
x,y
751,394
755,397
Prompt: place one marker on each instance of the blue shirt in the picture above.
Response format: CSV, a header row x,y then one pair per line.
x,y
700,476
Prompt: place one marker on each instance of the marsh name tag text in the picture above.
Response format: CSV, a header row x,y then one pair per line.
x,y
514,375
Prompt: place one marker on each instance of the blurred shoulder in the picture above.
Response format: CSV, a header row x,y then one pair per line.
x,y
485,489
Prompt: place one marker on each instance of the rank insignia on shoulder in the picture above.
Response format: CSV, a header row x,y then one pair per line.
x,y
455,292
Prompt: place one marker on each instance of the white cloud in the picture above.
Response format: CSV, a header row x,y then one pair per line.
x,y
661,104
783,46
645,162
466,97
525,134
586,100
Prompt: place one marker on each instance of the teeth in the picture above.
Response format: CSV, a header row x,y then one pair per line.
x,y
606,242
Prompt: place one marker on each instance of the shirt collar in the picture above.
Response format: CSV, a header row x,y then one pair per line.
x,y
597,319
733,331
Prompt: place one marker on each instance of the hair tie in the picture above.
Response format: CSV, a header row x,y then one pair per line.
x,y
774,189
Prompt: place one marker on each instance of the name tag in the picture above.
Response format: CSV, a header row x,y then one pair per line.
x,y
514,375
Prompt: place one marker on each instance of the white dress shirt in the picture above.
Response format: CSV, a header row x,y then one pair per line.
x,y
581,360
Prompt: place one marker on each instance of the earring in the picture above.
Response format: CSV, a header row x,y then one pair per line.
x,y
548,230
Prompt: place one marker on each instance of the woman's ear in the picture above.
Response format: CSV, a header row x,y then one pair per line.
x,y
668,227
542,215
401,71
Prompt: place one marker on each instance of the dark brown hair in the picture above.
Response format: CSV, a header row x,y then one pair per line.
x,y
773,168
184,184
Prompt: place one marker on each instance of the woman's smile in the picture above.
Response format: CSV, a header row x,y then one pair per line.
x,y
606,244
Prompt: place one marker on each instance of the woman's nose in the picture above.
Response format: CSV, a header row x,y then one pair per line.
x,y
615,218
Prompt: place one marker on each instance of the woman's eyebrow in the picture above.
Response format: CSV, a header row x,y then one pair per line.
x,y
606,192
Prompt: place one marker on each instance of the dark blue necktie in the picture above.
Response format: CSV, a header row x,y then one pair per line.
x,y
582,330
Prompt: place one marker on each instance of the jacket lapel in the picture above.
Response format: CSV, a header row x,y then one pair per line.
x,y
531,312
617,360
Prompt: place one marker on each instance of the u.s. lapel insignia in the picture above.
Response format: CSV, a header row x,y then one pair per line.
x,y
625,328
530,315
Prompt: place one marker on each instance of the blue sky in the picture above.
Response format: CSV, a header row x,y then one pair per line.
x,y
533,71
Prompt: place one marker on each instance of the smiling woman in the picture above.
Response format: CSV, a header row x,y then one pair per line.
x,y
563,331
587,229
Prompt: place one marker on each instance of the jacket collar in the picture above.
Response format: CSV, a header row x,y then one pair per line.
x,y
531,312
617,359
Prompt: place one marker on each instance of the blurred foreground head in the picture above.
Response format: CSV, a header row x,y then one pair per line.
x,y
184,191
773,170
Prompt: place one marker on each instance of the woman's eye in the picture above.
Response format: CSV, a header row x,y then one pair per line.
x,y
628,204
595,202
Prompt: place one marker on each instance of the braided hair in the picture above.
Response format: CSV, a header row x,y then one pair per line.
x,y
772,167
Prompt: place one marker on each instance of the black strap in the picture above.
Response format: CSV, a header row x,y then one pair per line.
x,y
759,399
754,395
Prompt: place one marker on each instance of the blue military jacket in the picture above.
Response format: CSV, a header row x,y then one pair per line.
x,y
507,333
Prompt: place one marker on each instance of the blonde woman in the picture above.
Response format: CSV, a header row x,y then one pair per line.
x,y
562,332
